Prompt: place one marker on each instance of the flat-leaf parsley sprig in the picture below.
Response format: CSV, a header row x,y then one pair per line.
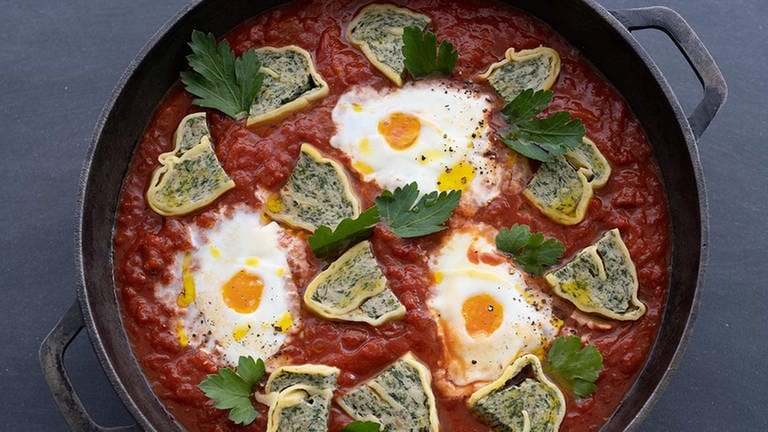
x,y
529,250
572,366
542,138
234,390
422,55
361,426
409,218
218,79
326,240
405,213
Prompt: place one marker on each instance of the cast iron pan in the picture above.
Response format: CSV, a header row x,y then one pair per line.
x,y
602,36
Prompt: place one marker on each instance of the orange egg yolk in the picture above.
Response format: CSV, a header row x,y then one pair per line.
x,y
400,130
242,292
482,315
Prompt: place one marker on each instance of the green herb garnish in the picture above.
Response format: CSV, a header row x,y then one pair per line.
x,y
423,57
233,390
408,217
526,105
572,367
348,231
405,216
543,138
219,80
361,426
529,250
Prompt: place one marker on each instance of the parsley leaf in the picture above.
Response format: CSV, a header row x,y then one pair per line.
x,y
362,426
218,79
325,240
543,138
405,216
573,367
232,390
526,105
419,48
554,134
408,217
529,250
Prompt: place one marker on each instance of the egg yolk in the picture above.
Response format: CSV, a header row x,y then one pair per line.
x,y
482,315
365,147
181,334
275,204
400,130
438,276
240,332
459,177
242,292
363,167
284,323
187,295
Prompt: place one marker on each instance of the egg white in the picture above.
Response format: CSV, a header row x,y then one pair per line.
x,y
240,242
453,129
527,324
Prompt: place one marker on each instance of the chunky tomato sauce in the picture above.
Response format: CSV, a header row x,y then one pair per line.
x,y
263,156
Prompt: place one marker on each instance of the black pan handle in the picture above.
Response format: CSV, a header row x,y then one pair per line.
x,y
52,361
697,55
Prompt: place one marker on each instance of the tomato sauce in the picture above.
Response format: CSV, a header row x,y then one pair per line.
x,y
263,156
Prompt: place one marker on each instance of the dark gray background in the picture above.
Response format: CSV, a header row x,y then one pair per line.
x,y
59,61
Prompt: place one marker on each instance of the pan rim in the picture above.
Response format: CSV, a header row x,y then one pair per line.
x,y
86,171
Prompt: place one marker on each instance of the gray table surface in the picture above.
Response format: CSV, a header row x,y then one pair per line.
x,y
59,61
